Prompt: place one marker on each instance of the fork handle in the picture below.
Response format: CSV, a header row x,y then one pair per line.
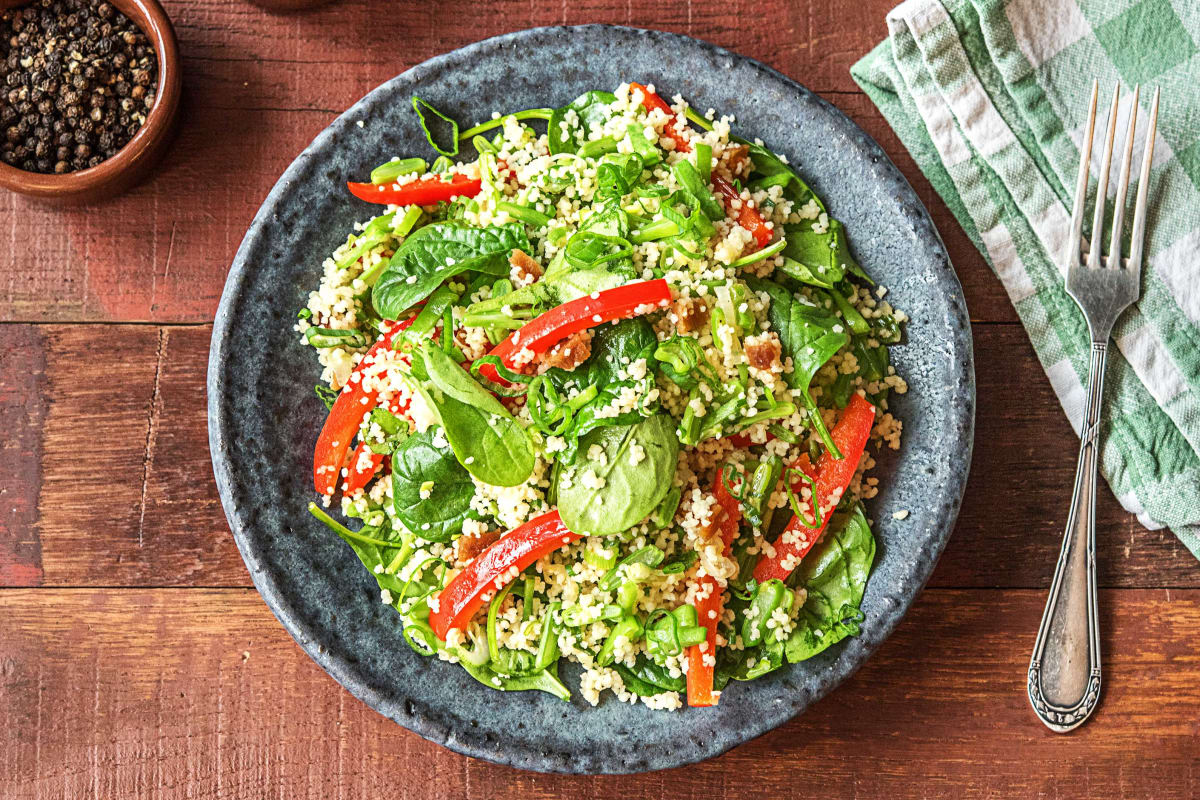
x,y
1064,673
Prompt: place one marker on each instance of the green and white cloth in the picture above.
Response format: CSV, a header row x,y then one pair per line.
x,y
991,97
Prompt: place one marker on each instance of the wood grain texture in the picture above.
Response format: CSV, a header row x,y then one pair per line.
x,y
127,499
260,86
136,662
171,693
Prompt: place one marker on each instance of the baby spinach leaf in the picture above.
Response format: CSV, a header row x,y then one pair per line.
x,y
487,440
614,349
419,463
814,255
589,107
440,251
544,681
771,171
647,678
627,491
809,335
835,576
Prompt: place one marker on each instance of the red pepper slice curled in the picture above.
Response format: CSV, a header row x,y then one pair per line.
x,y
490,570
831,477
353,403
547,330
709,607
423,192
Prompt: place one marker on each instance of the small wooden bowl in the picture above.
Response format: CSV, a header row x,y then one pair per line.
x,y
139,155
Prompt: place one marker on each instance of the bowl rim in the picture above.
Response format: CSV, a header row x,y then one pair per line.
x,y
244,519
152,19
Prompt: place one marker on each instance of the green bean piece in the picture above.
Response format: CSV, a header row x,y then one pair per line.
x,y
760,255
389,171
628,595
630,628
428,317
331,337
767,597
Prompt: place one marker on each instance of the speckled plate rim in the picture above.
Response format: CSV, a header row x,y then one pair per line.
x,y
846,658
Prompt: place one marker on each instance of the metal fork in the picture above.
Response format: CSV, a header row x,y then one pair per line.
x,y
1064,673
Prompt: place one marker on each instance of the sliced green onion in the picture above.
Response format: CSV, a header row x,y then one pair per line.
x,y
759,255
694,117
331,337
658,229
704,161
598,147
524,214
421,107
532,113
390,170
630,628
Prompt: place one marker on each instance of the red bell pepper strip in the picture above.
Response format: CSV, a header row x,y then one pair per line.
x,y
748,216
423,192
547,330
488,571
708,608
353,403
832,476
651,101
365,462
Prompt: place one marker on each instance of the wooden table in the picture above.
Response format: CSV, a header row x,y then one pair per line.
x,y
136,659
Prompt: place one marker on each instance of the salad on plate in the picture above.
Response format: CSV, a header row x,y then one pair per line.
x,y
605,393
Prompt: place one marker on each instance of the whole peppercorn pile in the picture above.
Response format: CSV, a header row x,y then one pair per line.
x,y
78,78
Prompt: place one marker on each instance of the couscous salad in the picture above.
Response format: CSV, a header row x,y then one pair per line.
x,y
605,393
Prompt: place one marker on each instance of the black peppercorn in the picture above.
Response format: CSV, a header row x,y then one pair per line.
x,y
78,77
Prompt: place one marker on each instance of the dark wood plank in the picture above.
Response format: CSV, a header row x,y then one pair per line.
x,y
125,496
167,693
259,87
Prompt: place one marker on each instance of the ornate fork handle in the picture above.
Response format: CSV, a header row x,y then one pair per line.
x,y
1064,673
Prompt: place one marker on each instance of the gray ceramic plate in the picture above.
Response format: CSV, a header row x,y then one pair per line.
x,y
264,417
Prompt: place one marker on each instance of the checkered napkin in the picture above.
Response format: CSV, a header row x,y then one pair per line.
x,y
990,97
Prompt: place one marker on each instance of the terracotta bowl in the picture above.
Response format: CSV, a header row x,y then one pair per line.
x,y
135,160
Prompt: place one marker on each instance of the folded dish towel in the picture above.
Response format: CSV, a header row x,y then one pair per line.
x,y
990,98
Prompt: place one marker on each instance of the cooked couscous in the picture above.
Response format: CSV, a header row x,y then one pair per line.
x,y
605,393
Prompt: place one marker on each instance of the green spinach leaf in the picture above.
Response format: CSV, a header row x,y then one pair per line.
x,y
614,348
417,464
771,171
624,488
809,335
440,251
566,132
487,440
544,681
835,577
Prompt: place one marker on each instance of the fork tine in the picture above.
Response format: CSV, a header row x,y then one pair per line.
x,y
1139,208
1085,159
1094,255
1119,200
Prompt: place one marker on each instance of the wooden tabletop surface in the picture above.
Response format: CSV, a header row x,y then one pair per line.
x,y
136,659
